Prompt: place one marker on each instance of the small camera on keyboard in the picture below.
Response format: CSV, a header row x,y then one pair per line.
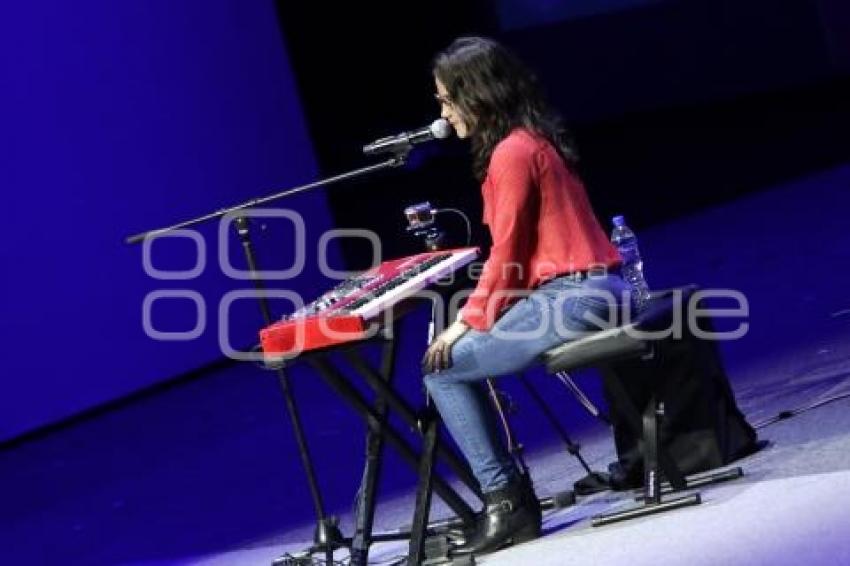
x,y
422,222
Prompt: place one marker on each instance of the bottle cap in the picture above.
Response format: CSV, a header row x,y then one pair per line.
x,y
619,221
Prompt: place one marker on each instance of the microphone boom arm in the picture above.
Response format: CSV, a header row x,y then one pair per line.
x,y
398,159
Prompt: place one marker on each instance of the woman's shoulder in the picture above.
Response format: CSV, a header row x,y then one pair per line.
x,y
521,144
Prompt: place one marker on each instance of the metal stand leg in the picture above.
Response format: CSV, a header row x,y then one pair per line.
x,y
327,535
365,514
572,447
416,550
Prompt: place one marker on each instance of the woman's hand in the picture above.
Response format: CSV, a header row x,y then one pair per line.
x,y
439,353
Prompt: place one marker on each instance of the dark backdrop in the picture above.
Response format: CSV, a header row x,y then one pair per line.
x,y
676,105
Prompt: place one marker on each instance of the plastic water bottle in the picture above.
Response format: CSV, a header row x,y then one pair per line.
x,y
626,243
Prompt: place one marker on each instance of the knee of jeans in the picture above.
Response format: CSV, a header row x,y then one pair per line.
x,y
437,381
430,381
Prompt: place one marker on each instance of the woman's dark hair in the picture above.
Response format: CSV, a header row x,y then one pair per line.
x,y
490,84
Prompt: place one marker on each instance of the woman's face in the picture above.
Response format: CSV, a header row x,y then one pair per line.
x,y
451,112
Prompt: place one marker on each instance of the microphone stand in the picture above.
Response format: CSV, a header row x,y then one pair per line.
x,y
327,536
399,158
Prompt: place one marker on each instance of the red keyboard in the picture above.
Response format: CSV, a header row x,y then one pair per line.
x,y
344,313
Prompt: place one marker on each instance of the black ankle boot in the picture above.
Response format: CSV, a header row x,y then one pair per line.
x,y
511,516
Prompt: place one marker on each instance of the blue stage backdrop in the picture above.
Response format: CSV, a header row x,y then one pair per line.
x,y
119,117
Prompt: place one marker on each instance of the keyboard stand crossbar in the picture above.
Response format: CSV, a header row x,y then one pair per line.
x,y
379,431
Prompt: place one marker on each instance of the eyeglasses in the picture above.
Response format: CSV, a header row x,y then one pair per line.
x,y
443,100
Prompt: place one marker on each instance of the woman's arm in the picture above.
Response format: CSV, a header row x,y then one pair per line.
x,y
514,201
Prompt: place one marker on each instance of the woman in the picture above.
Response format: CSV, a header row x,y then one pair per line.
x,y
547,246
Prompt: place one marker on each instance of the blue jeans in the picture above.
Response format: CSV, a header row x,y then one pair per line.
x,y
560,310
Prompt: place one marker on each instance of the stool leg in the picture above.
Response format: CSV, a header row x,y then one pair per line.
x,y
701,479
662,458
572,447
647,509
652,502
651,479
568,382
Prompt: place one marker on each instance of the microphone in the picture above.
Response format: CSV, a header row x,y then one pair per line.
x,y
438,129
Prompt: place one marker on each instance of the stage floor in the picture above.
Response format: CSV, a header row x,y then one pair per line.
x,y
206,472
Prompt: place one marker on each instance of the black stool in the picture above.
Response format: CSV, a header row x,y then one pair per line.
x,y
637,340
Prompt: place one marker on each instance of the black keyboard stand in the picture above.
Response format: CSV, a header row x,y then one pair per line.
x,y
375,416
328,537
